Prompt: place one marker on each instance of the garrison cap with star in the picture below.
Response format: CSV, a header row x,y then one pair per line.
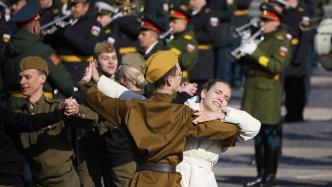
x,y
158,64
150,22
34,62
26,14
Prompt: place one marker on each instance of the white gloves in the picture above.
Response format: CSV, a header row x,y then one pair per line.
x,y
248,47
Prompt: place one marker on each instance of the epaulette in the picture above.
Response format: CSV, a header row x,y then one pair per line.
x,y
107,31
187,37
301,9
50,100
55,10
281,36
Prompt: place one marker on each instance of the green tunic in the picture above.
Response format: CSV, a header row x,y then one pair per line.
x,y
184,45
26,44
49,150
263,91
157,130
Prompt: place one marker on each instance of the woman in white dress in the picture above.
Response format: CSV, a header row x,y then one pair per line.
x,y
201,154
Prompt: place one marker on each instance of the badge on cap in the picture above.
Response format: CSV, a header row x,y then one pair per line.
x,y
95,30
283,51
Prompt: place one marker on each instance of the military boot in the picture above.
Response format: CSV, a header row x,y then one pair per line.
x,y
271,160
259,156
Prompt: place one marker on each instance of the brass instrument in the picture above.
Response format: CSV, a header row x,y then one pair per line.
x,y
247,33
58,22
130,7
166,34
256,37
313,23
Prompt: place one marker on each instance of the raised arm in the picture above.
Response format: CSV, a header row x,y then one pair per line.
x,y
249,126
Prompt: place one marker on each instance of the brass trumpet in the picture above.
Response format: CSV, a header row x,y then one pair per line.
x,y
58,22
311,24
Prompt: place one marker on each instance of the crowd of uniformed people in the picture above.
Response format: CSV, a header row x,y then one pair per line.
x,y
270,57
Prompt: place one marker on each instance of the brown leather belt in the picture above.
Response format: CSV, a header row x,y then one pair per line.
x,y
169,168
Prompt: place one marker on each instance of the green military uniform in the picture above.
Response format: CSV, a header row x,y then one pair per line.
x,y
49,150
26,44
184,45
160,137
263,91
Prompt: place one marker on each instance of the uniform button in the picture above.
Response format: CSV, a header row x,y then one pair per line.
x,y
83,115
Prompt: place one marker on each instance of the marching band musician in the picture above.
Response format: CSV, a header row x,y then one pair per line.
x,y
263,92
296,73
75,43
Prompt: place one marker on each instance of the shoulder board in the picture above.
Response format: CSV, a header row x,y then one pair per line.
x,y
49,100
301,9
280,36
55,10
107,31
187,37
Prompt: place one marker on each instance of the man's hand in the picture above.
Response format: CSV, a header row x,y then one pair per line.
x,y
208,116
71,106
248,47
189,88
95,73
88,74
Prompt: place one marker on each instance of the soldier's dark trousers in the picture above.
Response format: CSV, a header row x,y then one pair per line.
x,y
222,64
267,149
295,98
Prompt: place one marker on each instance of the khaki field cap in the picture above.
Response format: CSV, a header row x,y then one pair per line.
x,y
158,64
103,47
133,67
33,62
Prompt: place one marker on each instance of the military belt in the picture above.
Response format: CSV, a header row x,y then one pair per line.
x,y
241,12
20,95
204,47
124,50
254,73
74,58
168,168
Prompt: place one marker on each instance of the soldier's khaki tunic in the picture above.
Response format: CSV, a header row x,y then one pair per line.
x,y
157,130
49,150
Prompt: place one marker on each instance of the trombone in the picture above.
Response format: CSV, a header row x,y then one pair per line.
x,y
58,21
313,23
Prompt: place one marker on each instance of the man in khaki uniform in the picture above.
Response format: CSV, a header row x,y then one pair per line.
x,y
49,150
157,129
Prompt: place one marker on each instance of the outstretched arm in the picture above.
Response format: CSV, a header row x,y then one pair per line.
x,y
25,123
